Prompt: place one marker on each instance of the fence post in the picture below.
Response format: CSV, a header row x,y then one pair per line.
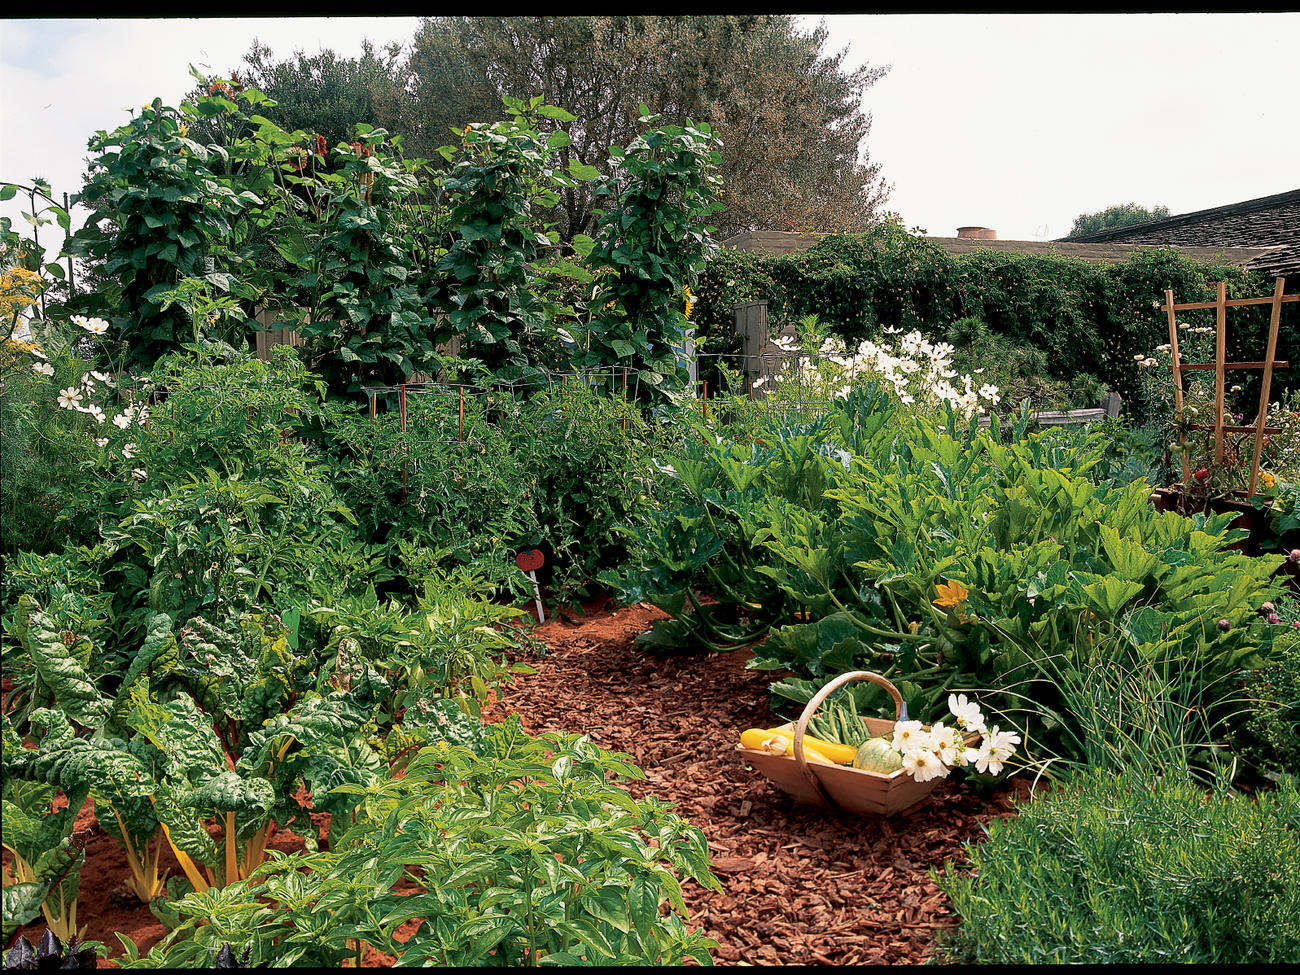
x,y
751,326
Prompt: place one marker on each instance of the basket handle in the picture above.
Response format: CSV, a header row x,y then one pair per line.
x,y
900,714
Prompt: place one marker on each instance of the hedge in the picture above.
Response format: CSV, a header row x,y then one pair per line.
x,y
1088,317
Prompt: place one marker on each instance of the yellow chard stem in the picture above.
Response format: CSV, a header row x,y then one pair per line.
x,y
138,882
191,871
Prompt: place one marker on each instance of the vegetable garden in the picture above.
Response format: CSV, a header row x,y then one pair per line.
x,y
276,690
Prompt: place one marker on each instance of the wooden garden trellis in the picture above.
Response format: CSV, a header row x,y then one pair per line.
x,y
1221,304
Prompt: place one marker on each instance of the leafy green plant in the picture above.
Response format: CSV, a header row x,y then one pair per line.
x,y
503,175
451,646
944,556
653,241
521,851
159,205
1269,738
366,323
47,862
1124,869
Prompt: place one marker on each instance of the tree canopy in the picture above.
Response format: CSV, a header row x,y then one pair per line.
x,y
788,113
1119,215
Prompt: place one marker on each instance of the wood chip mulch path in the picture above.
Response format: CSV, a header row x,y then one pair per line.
x,y
802,886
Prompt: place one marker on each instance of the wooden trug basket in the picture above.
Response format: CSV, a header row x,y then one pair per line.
x,y
843,787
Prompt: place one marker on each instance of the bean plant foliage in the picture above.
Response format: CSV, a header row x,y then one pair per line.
x,y
160,206
502,174
654,242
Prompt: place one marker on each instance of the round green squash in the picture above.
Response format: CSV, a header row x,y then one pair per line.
x,y
878,755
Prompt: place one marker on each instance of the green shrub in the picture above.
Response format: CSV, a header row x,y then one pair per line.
x,y
1270,738
562,470
1116,869
47,494
1086,317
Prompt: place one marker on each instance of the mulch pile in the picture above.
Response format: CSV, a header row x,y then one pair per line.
x,y
802,886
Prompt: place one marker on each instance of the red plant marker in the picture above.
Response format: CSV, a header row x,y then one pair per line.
x,y
530,562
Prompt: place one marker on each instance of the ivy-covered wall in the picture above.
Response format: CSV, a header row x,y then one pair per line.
x,y
1088,317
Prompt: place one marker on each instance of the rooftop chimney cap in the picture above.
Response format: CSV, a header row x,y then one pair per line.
x,y
976,233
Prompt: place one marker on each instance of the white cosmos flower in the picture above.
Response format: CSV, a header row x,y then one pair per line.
x,y
908,735
122,420
44,368
101,441
947,744
95,326
924,765
984,758
139,473
100,376
70,398
1002,744
96,412
966,711
128,451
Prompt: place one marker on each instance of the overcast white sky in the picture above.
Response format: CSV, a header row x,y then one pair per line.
x,y
1015,122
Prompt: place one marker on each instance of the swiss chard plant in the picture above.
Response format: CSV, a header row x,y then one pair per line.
x,y
45,873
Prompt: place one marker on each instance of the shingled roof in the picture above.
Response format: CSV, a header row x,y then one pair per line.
x,y
780,242
1271,222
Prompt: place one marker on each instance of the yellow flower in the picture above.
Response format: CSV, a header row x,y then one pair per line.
x,y
184,129
952,594
1267,479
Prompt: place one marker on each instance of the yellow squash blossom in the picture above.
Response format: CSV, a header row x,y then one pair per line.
x,y
952,595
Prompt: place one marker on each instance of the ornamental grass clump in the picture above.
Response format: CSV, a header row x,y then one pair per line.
x,y
1125,869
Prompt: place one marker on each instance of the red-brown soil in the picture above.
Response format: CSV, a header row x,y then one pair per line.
x,y
802,886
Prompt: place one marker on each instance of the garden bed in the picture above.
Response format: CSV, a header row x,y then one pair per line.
x,y
801,886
